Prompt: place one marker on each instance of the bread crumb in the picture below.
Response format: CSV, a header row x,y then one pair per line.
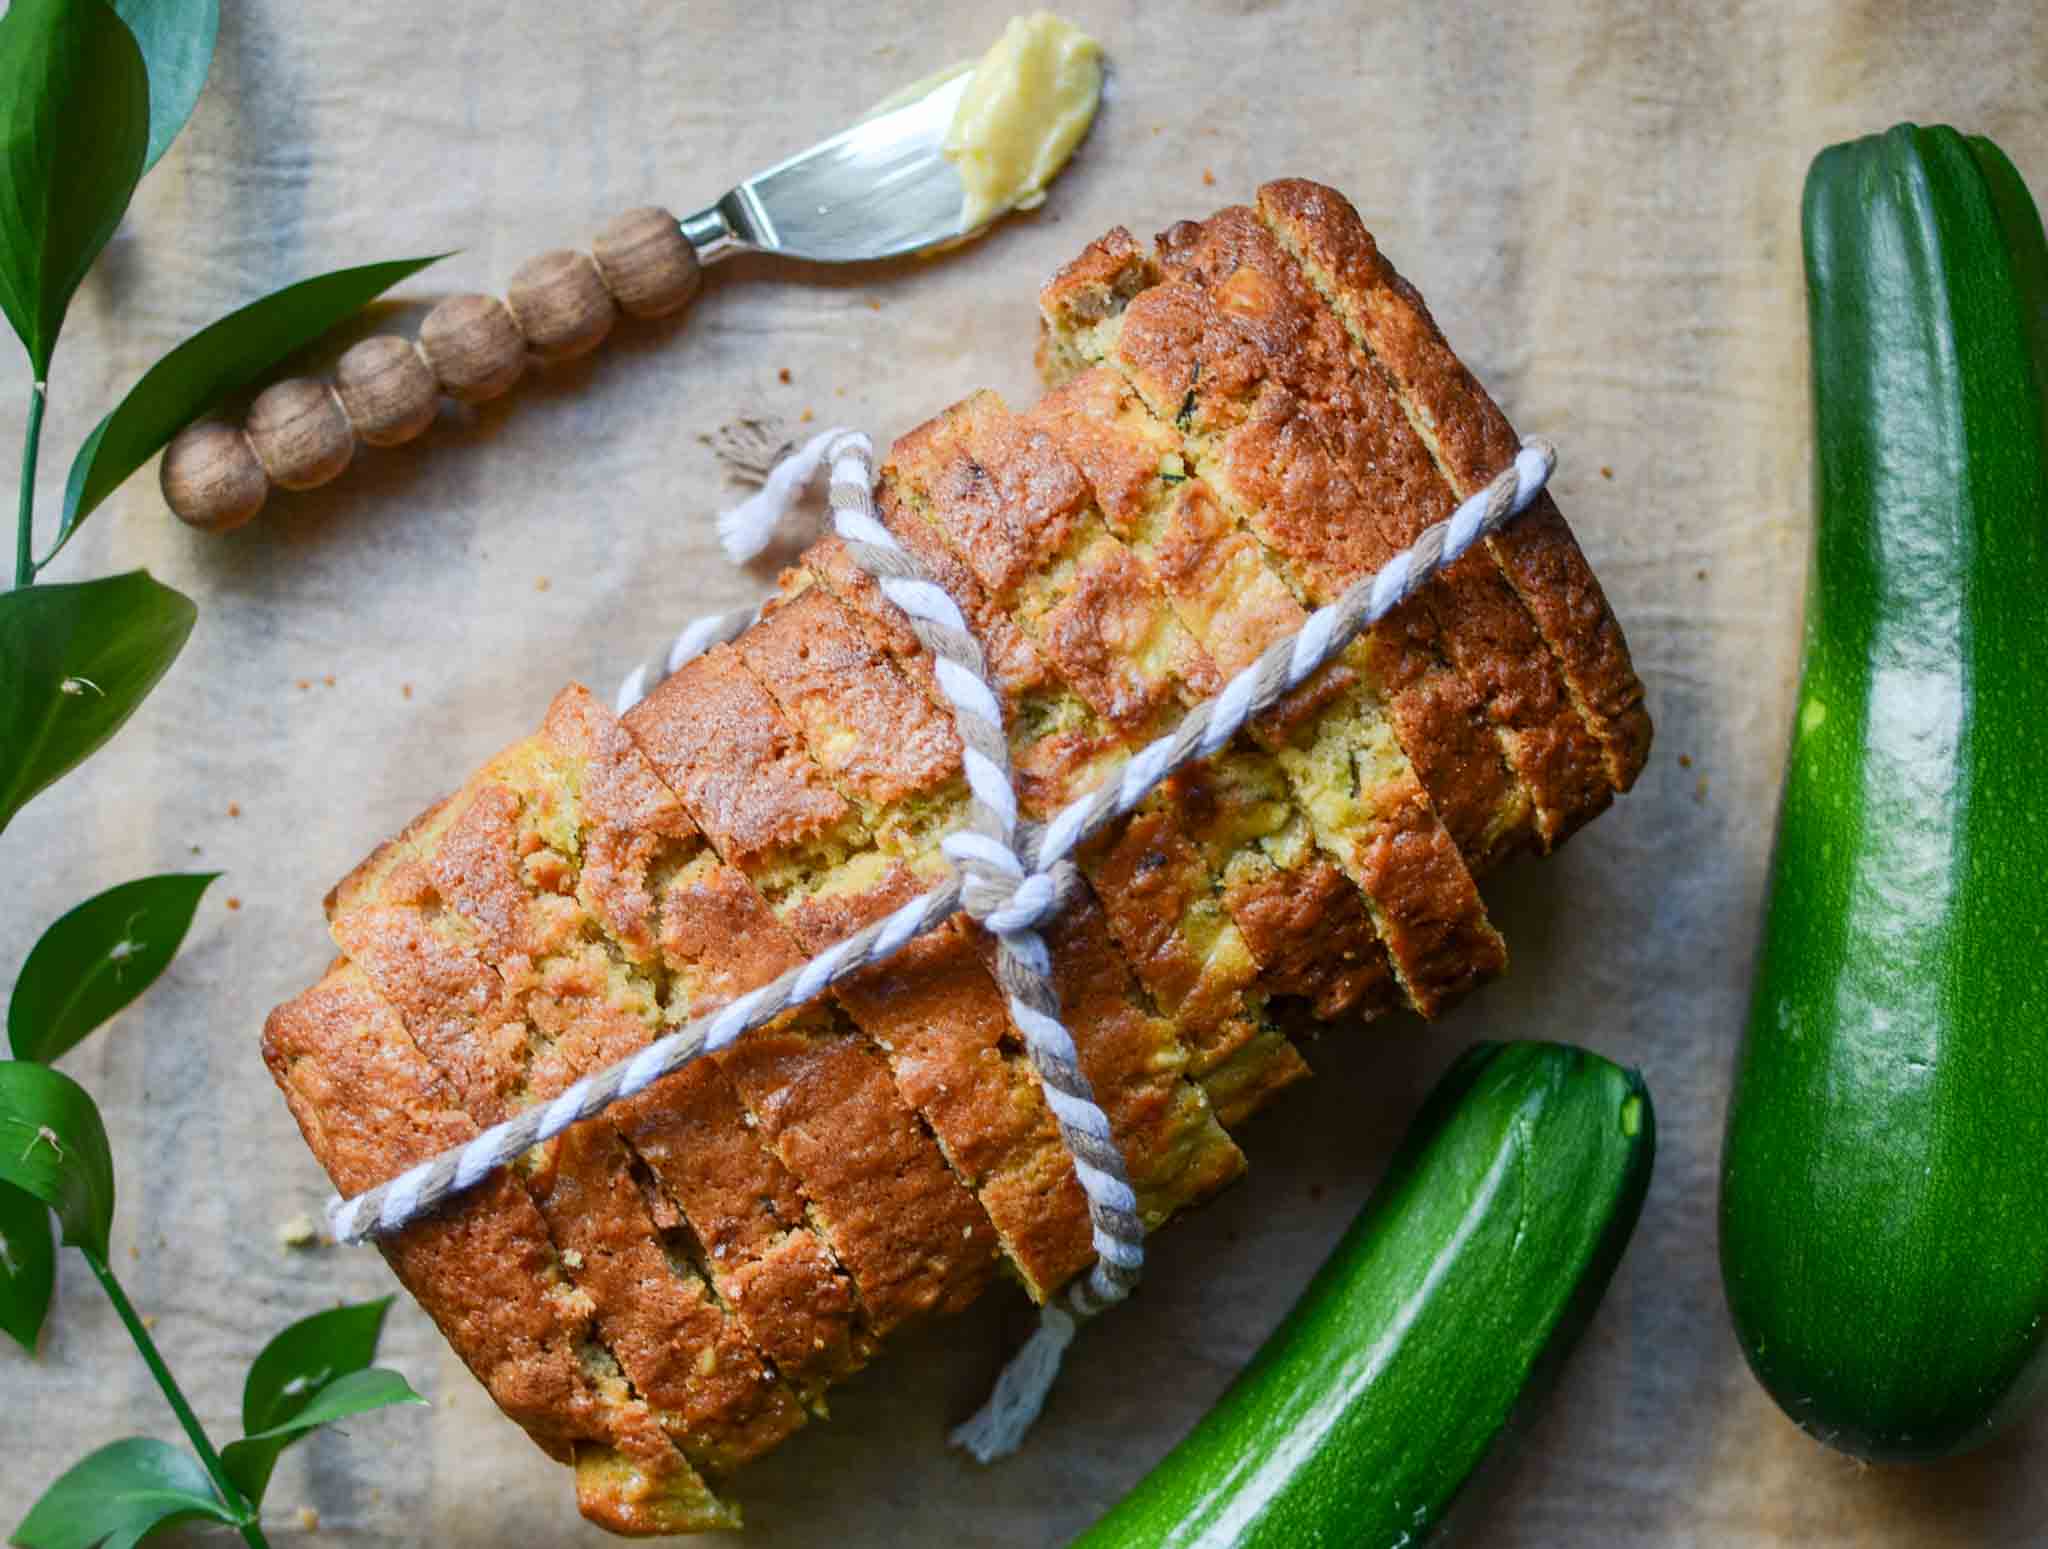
x,y
1703,574
305,683
874,303
234,809
297,1232
805,418
1685,761
1606,472
1700,791
309,1519
405,689
234,902
541,583
328,680
782,376
133,1251
1208,178
839,392
149,1321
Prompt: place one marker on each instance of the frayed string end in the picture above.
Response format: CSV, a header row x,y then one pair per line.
x,y
768,514
999,1427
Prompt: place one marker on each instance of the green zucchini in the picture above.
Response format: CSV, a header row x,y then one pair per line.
x,y
1465,1279
1884,1188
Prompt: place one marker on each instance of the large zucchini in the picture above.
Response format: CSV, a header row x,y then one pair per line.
x,y
1884,1195
1464,1281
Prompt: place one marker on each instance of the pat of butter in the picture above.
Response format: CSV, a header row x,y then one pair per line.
x,y
1031,99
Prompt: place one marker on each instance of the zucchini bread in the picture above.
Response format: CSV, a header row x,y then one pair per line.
x,y
1240,421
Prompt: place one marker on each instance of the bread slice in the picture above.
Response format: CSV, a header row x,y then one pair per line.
x,y
914,1237
1305,922
1347,755
472,929
1471,440
1136,1061
935,1008
485,1268
1021,518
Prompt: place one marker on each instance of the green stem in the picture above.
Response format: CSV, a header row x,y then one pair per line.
x,y
153,1359
24,522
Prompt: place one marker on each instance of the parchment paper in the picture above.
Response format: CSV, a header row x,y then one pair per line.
x,y
1601,203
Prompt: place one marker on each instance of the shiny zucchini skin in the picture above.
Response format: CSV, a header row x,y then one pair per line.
x,y
1461,1285
1884,1191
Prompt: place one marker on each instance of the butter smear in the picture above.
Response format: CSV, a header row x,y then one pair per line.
x,y
1031,100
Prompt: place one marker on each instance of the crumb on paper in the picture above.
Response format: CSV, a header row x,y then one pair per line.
x,y
309,1519
1703,573
1700,791
541,583
149,1321
234,809
782,376
234,902
806,417
194,849
1685,761
839,392
405,689
874,303
133,1251
305,683
297,1232
328,680
1208,178
1606,472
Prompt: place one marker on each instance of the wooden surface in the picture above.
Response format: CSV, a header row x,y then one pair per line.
x,y
1601,203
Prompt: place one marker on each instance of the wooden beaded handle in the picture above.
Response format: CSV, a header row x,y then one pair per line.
x,y
302,433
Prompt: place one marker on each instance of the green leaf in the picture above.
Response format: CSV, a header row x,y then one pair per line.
x,y
28,1264
119,1494
220,359
75,661
306,1357
249,1461
74,128
53,1146
314,1372
97,958
176,38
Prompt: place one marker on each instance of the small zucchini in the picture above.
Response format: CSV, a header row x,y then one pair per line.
x,y
1464,1281
1884,1185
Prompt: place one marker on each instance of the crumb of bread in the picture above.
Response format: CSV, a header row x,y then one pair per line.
x,y
234,902
1685,761
234,809
805,418
309,1519
782,376
328,680
1208,178
1606,472
297,1231
541,583
405,689
305,683
149,1321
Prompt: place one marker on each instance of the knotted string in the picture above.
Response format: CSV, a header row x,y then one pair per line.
x,y
1008,878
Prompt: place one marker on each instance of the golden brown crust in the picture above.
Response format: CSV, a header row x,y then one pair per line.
x,y
1172,1147
484,1268
1191,368
914,1239
999,490
1485,628
414,934
934,1007
1473,440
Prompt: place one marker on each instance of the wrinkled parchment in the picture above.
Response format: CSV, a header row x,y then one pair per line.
x,y
1600,201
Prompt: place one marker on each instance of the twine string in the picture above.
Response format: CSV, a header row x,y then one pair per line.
x,y
1008,876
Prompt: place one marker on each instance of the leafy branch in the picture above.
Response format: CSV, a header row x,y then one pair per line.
x,y
91,95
